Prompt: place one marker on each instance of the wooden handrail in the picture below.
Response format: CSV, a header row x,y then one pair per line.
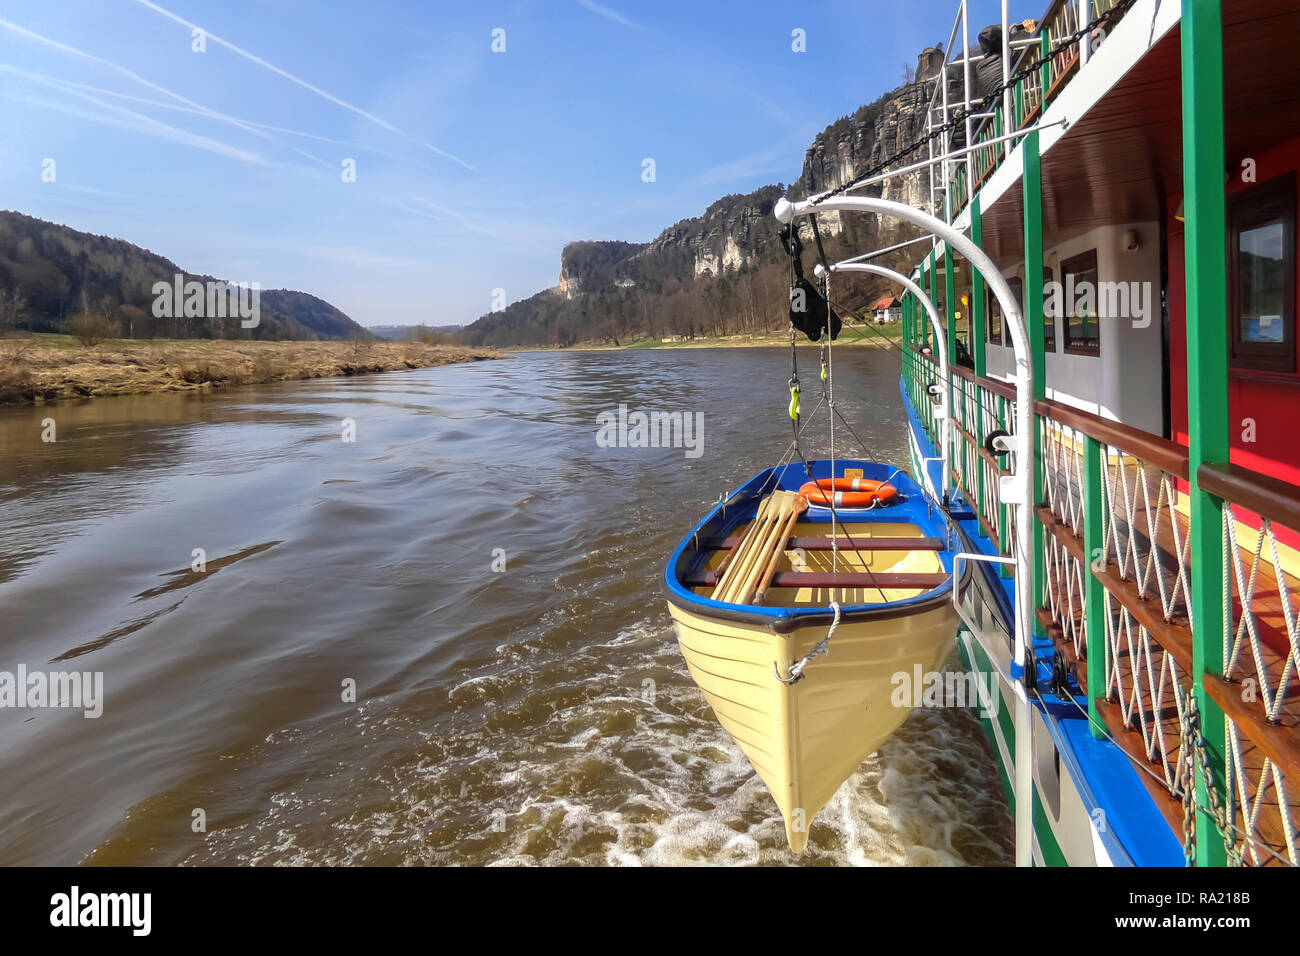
x,y
1268,497
1161,452
997,387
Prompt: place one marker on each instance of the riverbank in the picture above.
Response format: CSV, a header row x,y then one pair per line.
x,y
42,368
857,336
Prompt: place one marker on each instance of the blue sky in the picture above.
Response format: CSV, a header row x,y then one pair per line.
x,y
473,168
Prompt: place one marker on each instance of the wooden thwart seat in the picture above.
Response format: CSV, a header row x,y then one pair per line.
x,y
859,543
840,579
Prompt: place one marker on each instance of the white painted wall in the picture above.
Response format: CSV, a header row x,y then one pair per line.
x,y
1124,382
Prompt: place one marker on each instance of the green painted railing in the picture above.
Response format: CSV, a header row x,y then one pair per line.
x,y
1168,582
1030,96
1117,601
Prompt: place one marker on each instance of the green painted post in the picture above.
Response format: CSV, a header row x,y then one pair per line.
x,y
950,324
1204,160
1044,71
976,324
1032,182
1094,593
1004,511
929,289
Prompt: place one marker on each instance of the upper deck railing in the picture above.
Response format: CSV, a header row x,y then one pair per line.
x,y
954,179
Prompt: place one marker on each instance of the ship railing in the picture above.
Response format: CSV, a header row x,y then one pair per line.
x,y
980,407
1117,556
1027,100
1116,598
1259,691
1112,534
920,372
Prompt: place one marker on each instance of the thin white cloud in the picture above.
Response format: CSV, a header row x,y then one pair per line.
x,y
94,191
253,58
412,210
470,223
178,108
601,11
748,168
132,121
13,27
314,159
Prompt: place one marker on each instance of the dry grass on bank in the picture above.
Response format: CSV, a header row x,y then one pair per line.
x,y
855,334
38,368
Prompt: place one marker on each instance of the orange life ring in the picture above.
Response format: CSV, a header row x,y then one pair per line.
x,y
849,492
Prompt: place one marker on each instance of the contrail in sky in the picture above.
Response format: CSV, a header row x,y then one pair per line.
x,y
608,14
379,121
130,75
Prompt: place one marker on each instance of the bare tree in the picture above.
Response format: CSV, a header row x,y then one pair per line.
x,y
360,344
90,329
11,305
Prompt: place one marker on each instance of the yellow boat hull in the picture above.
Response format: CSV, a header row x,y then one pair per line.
x,y
805,739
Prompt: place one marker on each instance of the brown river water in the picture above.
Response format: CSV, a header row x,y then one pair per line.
x,y
539,714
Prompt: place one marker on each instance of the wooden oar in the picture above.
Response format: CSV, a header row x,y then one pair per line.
x,y
741,543
747,553
763,553
727,570
797,508
769,547
741,567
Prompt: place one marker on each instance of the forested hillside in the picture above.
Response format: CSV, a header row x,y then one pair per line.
x,y
50,274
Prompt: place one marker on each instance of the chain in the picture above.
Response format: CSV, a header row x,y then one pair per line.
x,y
1195,757
989,99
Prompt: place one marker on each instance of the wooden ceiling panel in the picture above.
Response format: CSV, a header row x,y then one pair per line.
x,y
1119,162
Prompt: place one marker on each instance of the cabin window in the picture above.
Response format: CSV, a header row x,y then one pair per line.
x,y
993,315
962,309
1261,283
999,334
1079,303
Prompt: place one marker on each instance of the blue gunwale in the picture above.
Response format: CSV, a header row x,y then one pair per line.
x,y
914,506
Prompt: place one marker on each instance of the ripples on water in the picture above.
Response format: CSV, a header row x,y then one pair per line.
x,y
541,715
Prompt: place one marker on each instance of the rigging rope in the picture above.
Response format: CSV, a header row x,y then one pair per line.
x,y
796,669
983,105
830,401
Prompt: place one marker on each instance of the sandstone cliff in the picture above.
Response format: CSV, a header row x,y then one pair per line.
x,y
603,284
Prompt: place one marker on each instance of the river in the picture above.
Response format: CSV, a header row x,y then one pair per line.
x,y
478,567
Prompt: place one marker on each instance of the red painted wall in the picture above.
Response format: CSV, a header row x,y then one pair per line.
x,y
1275,406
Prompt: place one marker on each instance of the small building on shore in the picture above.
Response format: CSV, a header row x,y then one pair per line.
x,y
886,309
